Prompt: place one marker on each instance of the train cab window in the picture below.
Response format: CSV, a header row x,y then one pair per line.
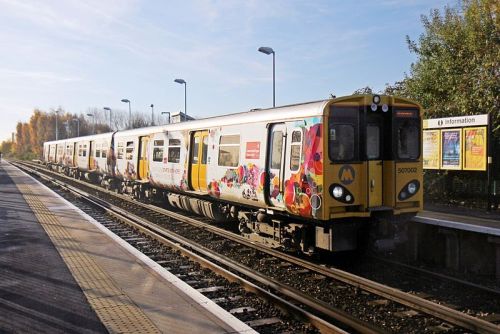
x,y
341,142
158,150
408,139
129,153
343,133
229,151
119,153
295,150
174,151
373,141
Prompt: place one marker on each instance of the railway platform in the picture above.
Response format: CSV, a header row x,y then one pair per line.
x,y
469,239
62,272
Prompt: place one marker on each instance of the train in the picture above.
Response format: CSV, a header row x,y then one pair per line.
x,y
308,177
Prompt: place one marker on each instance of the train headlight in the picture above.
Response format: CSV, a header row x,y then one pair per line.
x,y
376,99
337,192
412,188
385,108
374,107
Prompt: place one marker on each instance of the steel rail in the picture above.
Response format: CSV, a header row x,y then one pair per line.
x,y
182,244
445,313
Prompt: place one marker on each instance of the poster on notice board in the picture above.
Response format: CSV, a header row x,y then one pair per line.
x,y
430,151
475,148
451,146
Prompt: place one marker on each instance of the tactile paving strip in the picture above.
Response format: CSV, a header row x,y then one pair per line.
x,y
114,308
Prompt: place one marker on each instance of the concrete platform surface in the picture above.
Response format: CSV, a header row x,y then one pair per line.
x,y
62,272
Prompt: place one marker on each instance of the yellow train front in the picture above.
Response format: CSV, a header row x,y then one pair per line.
x,y
366,176
373,170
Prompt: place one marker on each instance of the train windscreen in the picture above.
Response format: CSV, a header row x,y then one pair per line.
x,y
407,126
343,134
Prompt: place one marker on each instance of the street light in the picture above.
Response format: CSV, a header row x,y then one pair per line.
x,y
66,125
109,109
267,50
93,126
57,126
77,120
129,113
152,115
183,82
166,112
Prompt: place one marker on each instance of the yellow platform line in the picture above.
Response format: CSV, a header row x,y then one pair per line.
x,y
115,309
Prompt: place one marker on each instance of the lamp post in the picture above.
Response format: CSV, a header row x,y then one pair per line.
x,y
129,113
109,109
166,112
66,125
183,82
57,126
268,51
152,115
77,120
93,126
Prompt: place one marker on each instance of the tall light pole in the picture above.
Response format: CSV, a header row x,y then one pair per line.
x,y
77,120
109,109
183,82
93,126
129,113
166,112
66,125
152,114
267,50
57,126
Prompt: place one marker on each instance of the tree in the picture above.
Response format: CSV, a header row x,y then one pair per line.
x,y
457,71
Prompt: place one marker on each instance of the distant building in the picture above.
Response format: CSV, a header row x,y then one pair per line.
x,y
180,117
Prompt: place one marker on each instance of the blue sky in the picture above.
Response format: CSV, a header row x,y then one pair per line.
x,y
83,54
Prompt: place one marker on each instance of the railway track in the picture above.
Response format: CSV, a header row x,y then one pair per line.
x,y
334,295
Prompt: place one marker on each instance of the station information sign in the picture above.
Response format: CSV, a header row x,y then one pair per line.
x,y
458,143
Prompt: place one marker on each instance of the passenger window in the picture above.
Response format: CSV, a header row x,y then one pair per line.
x,y
277,148
119,154
158,154
295,151
204,150
174,150
229,151
103,151
158,150
130,150
84,151
372,141
341,142
194,150
98,150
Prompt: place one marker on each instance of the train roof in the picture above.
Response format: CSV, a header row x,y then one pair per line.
x,y
295,111
287,112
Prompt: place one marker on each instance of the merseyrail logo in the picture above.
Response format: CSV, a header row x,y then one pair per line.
x,y
346,174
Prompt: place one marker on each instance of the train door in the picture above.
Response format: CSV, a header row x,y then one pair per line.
x,y
198,157
275,165
91,155
374,156
143,159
